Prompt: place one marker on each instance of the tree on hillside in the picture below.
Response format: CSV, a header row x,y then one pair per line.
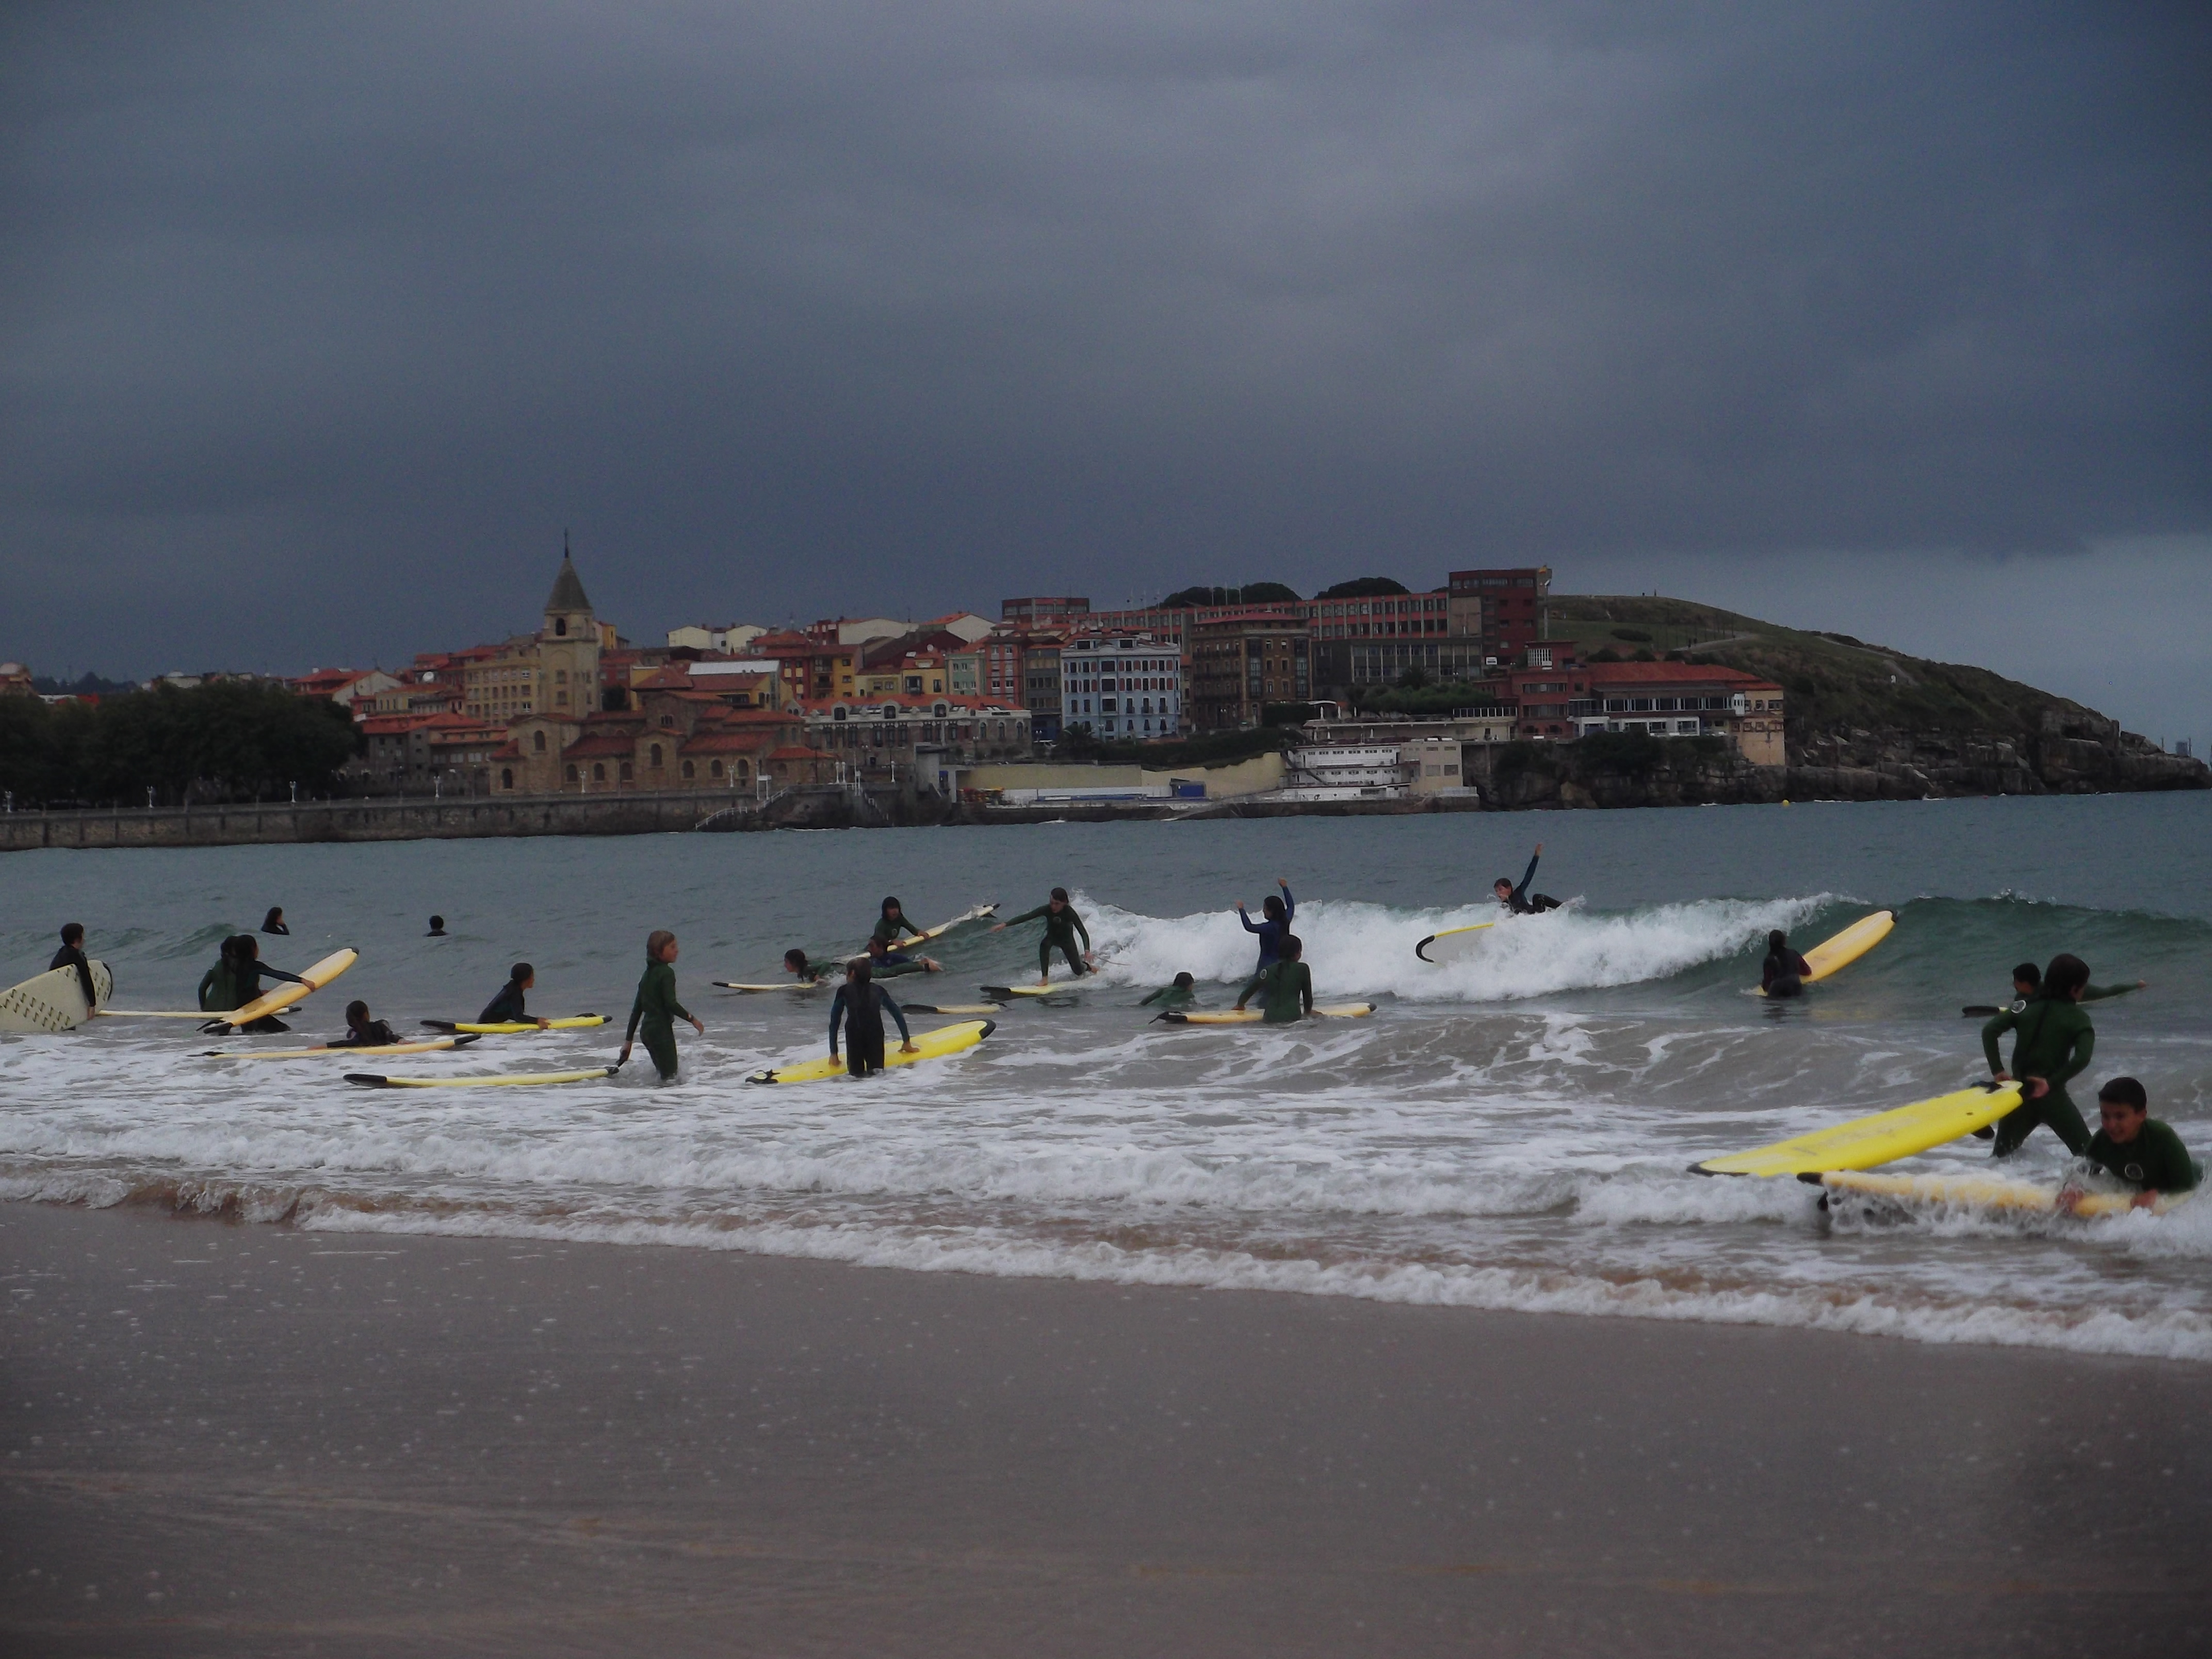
x,y
1186,598
1364,587
226,741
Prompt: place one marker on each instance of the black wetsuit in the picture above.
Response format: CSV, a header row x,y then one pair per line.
x,y
1784,974
1521,902
245,981
506,1008
377,1033
71,956
1060,932
862,1017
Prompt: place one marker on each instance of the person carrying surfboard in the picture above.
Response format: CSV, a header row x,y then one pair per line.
x,y
1278,912
1519,900
1785,972
1061,924
654,1013
2134,1147
71,955
2054,1042
506,1008
860,1005
235,980
1285,986
362,1032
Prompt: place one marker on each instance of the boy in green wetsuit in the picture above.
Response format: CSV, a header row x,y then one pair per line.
x,y
1285,987
2137,1147
1181,994
2027,980
892,922
1061,924
2054,1042
654,1014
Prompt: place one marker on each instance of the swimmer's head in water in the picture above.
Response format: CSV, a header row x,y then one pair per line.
x,y
1184,982
795,960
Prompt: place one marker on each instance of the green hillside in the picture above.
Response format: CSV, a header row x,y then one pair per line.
x,y
1835,682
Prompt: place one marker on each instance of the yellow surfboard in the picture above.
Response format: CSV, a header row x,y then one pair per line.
x,y
516,1027
504,1080
288,993
1251,1016
928,1045
1060,989
1881,1139
1981,1192
1452,944
1847,947
429,1045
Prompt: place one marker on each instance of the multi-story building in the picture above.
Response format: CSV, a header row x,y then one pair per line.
x,y
1676,699
1505,609
813,670
731,639
1044,611
1040,686
1387,616
989,667
1242,661
345,687
1122,686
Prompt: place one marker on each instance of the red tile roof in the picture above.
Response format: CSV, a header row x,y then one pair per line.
x,y
1662,673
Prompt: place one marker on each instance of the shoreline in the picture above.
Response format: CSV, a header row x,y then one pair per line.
x,y
227,1434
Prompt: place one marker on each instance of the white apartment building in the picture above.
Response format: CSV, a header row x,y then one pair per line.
x,y
1122,686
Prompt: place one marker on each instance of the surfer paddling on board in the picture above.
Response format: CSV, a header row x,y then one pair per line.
x,y
654,1014
1285,986
507,1008
362,1032
2135,1147
1272,931
1181,994
2054,1041
1061,924
796,965
1519,900
1785,972
71,955
860,1005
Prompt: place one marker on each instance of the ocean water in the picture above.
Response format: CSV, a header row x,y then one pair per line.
x,y
1511,1132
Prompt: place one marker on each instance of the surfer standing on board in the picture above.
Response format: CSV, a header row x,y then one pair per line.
x,y
1519,900
1061,924
2055,1042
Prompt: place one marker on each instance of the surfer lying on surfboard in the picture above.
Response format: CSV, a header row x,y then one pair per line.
x,y
1519,900
2134,1147
506,1008
362,1032
796,965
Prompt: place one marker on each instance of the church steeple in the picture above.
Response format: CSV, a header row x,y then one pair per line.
x,y
568,648
567,595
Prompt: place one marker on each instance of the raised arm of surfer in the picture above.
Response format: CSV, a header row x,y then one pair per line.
x,y
1519,900
2054,1042
1277,913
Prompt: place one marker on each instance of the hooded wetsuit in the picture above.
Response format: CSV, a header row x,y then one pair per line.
x,y
653,1015
1058,930
1785,970
1270,931
861,1009
2054,1042
377,1033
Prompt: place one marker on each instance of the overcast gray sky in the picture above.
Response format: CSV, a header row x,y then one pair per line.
x,y
319,323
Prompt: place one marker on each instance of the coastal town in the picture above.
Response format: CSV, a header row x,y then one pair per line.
x,y
1006,710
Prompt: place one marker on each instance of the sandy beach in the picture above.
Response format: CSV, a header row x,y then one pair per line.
x,y
254,1439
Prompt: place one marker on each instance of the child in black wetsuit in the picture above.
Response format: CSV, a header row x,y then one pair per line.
x,y
1519,900
1785,972
362,1032
860,1005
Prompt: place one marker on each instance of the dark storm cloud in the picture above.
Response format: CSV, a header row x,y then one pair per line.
x,y
319,322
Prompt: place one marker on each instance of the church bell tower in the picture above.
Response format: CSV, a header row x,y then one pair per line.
x,y
568,647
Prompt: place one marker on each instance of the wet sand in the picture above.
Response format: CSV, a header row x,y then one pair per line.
x,y
230,1439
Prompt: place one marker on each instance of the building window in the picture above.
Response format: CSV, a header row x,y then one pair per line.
x,y
561,627
598,772
537,743
654,752
744,767
687,769
506,778
713,769
628,773
667,722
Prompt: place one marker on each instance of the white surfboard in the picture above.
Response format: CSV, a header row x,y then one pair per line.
x,y
51,1001
1454,944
